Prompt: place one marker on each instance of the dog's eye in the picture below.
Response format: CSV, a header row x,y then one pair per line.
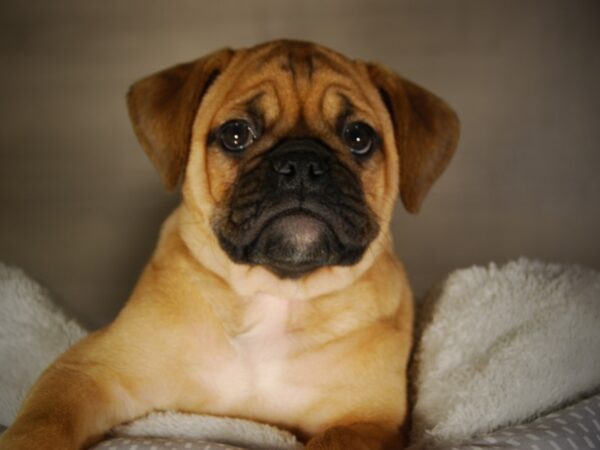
x,y
358,136
236,135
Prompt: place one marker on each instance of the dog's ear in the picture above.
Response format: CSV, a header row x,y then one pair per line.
x,y
426,131
162,108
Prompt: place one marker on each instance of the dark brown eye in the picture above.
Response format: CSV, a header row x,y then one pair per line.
x,y
236,135
359,137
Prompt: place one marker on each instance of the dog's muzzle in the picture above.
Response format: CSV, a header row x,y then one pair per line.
x,y
297,210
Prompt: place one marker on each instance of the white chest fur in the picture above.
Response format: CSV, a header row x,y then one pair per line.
x,y
265,322
264,345
259,371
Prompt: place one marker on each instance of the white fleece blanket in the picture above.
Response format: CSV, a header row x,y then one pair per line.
x,y
498,346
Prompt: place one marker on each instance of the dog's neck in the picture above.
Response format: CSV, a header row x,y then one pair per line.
x,y
265,317
267,313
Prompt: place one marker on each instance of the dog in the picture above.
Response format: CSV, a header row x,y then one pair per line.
x,y
273,293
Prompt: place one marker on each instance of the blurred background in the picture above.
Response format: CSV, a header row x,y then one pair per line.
x,y
81,205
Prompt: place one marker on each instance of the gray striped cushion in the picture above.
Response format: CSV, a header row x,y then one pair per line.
x,y
574,428
161,443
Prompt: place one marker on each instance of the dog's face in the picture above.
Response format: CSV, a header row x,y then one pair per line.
x,y
293,154
297,140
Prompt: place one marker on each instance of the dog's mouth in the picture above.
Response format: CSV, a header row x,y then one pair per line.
x,y
294,242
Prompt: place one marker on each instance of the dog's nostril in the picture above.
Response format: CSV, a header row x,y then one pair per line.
x,y
284,167
316,169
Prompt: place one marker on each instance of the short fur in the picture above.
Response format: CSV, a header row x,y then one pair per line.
x,y
324,354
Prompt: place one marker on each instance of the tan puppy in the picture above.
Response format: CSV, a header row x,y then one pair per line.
x,y
273,293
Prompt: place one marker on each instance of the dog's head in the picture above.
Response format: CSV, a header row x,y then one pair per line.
x,y
293,155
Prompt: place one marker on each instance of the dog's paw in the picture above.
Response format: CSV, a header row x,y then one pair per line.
x,y
337,438
38,438
359,437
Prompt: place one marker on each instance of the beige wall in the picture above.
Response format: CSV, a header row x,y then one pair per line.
x,y
81,206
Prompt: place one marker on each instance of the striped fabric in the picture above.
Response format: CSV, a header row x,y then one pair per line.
x,y
574,428
161,444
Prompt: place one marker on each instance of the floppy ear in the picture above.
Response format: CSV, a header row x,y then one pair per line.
x,y
426,130
162,108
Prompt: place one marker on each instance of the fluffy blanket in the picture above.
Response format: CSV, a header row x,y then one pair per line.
x,y
497,346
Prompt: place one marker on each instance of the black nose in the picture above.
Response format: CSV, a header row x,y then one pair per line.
x,y
300,164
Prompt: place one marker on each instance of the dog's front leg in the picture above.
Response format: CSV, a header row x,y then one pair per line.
x,y
359,436
87,391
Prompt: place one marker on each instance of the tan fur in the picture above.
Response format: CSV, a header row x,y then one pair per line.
x,y
324,355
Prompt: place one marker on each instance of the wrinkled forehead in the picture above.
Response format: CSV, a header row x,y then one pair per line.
x,y
298,78
301,61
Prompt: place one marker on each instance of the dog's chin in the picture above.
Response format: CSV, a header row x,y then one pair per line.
x,y
294,244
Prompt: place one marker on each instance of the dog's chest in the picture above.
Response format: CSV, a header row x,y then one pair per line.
x,y
263,347
265,322
259,369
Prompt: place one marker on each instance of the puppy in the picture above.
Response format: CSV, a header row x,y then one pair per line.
x,y
273,293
